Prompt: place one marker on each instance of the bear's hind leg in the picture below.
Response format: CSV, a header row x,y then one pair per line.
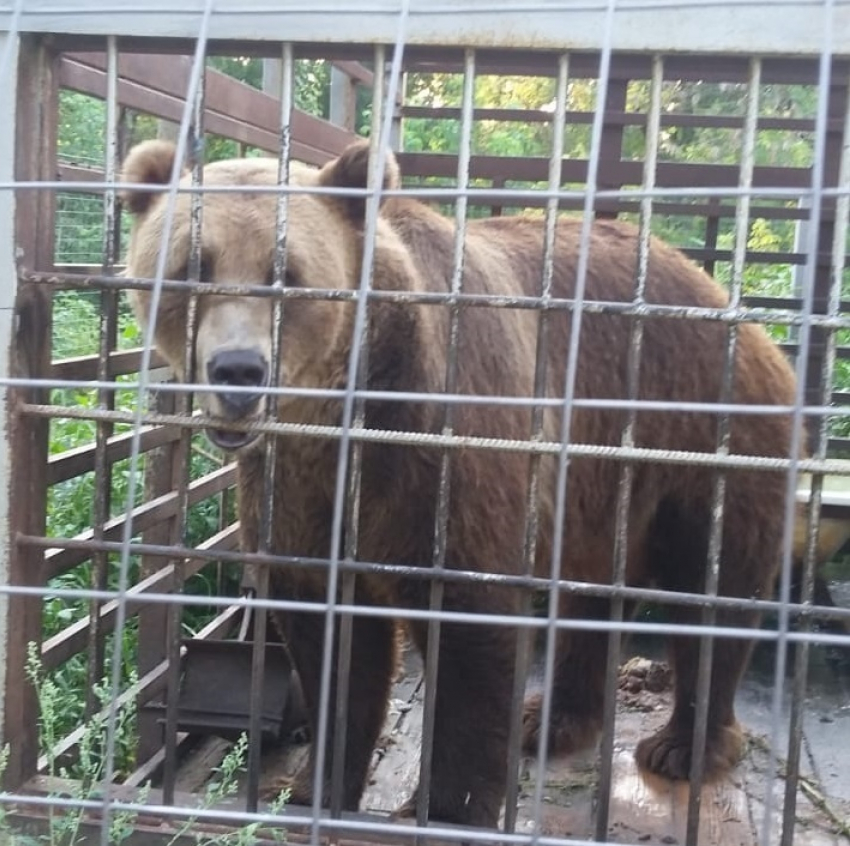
x,y
751,535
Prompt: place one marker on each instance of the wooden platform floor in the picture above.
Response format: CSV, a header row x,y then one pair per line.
x,y
643,808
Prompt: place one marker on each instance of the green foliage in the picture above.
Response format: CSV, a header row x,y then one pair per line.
x,y
489,137
86,776
70,504
82,129
65,825
247,70
223,785
311,87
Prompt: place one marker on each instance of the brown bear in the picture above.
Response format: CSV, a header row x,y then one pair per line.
x,y
670,511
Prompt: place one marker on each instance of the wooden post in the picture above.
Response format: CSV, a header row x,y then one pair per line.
x,y
343,99
28,130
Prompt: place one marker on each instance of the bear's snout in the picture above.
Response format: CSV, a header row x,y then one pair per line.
x,y
241,368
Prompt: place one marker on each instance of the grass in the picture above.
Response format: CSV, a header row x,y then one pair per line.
x,y
71,511
66,825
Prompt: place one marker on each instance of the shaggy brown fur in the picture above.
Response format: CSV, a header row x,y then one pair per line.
x,y
669,517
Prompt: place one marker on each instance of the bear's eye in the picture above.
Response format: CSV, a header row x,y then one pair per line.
x,y
205,273
289,279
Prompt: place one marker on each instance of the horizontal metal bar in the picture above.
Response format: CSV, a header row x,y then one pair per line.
x,y
401,612
768,27
439,441
614,118
427,574
639,627
771,317
517,199
773,185
401,396
837,410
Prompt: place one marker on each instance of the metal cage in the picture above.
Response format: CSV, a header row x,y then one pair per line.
x,y
162,503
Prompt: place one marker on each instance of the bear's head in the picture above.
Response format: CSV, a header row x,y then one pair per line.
x,y
238,225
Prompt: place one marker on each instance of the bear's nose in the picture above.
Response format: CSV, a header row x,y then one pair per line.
x,y
243,368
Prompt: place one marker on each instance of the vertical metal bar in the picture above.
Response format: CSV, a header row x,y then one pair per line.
x,y
195,82
566,419
801,656
376,175
715,542
798,434
106,398
438,560
271,443
355,474
624,492
160,479
183,452
532,502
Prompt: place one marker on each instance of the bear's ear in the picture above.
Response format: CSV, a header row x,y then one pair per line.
x,y
148,163
351,170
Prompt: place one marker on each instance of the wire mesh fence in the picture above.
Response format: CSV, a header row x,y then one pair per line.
x,y
346,497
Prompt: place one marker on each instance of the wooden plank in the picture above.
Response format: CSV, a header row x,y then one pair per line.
x,y
59,559
89,80
395,763
202,759
233,109
643,807
74,462
72,639
669,174
612,116
643,804
84,368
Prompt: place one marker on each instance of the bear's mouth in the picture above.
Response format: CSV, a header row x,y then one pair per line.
x,y
229,440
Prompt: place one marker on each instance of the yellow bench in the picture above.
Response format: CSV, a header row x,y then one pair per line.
x,y
834,530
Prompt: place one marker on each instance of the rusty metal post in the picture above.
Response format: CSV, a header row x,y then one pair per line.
x,y
832,149
162,475
31,130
